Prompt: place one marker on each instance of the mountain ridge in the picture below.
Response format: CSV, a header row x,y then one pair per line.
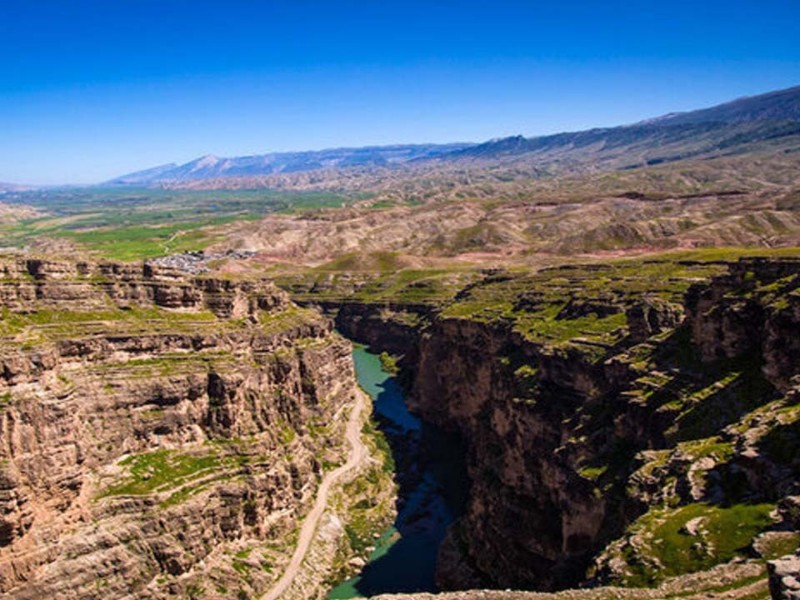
x,y
211,166
730,128
761,106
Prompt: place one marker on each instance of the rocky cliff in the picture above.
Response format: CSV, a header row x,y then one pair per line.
x,y
625,423
579,443
159,436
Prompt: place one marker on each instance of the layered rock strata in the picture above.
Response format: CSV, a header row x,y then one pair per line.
x,y
605,408
559,433
159,436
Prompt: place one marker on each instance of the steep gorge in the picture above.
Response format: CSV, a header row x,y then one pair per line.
x,y
162,436
605,406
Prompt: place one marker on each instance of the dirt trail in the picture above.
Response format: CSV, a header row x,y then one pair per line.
x,y
358,453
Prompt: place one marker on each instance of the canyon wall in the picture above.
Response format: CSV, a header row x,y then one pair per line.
x,y
163,435
558,434
599,404
159,435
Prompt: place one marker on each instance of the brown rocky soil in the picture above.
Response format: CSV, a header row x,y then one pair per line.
x,y
525,230
744,580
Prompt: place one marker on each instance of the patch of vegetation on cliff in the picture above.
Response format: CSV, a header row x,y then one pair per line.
x,y
163,470
292,317
603,330
376,286
696,398
467,291
164,365
736,393
668,542
389,363
713,447
60,323
577,302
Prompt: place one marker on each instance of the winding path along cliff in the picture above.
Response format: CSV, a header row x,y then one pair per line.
x,y
358,454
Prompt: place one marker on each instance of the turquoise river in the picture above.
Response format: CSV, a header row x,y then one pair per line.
x,y
431,480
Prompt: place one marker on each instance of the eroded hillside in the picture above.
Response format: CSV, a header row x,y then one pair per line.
x,y
540,224
161,436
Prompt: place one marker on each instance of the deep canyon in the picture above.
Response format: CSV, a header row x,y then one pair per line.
x,y
662,402
621,423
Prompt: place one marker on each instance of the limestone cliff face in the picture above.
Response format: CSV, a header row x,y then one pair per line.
x,y
391,328
29,284
158,436
529,513
553,431
385,327
756,309
575,437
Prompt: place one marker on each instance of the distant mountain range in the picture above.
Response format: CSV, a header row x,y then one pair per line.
x,y
766,122
12,187
773,106
212,167
724,130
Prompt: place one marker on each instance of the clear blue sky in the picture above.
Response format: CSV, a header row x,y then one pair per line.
x,y
90,89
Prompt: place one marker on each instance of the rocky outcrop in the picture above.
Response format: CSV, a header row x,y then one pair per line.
x,y
159,436
736,580
784,578
651,316
520,487
37,283
393,329
384,327
752,310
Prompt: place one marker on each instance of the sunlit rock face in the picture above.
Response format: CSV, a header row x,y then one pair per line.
x,y
154,426
575,444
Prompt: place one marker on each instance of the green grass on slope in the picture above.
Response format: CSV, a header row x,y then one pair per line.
x,y
381,262
61,323
666,547
160,469
549,291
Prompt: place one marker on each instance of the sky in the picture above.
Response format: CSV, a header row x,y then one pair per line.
x,y
92,89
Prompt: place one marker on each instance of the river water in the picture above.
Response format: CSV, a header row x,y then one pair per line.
x,y
431,480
